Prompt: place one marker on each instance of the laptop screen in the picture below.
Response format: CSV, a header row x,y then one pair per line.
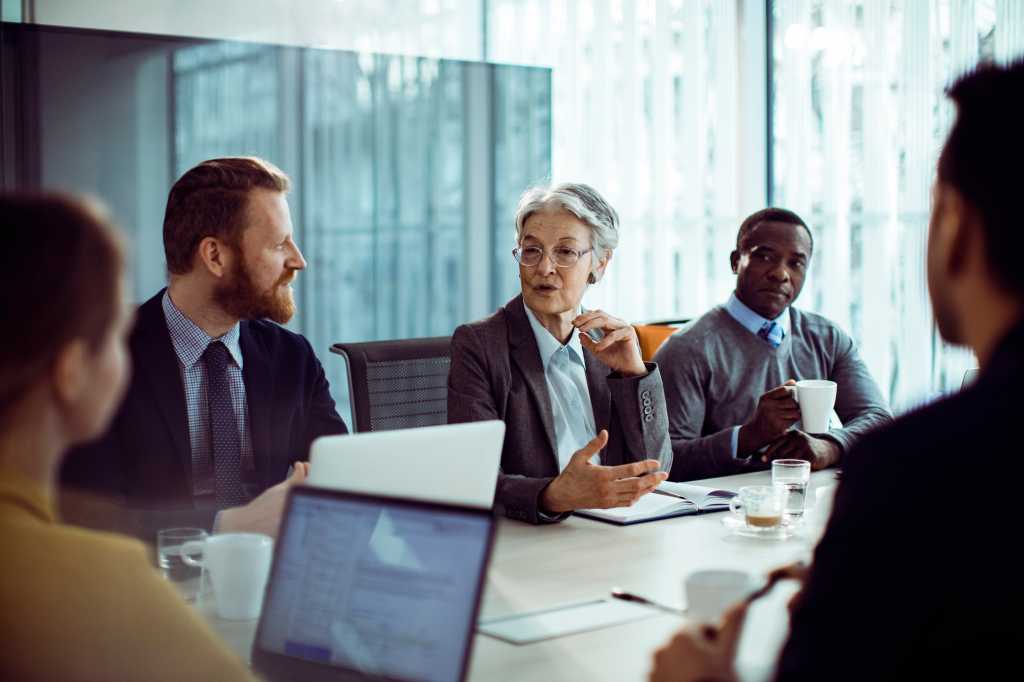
x,y
385,587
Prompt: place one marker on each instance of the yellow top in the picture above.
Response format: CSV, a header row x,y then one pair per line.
x,y
76,604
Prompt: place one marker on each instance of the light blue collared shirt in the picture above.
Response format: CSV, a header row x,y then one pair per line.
x,y
566,375
751,320
753,323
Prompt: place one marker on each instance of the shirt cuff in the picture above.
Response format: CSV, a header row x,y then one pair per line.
x,y
736,443
216,524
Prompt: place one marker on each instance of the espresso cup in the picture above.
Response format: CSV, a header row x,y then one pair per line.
x,y
709,593
760,506
816,398
238,565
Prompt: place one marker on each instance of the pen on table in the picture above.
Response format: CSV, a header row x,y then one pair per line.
x,y
620,593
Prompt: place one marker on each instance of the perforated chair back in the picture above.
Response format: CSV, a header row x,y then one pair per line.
x,y
397,384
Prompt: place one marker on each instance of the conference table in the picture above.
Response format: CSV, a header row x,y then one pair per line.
x,y
540,567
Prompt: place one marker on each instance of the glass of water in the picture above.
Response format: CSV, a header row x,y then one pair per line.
x,y
793,475
169,545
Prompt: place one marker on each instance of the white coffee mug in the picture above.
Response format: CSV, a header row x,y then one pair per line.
x,y
238,565
816,398
709,593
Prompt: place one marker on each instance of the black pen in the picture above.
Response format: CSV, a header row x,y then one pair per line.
x,y
619,593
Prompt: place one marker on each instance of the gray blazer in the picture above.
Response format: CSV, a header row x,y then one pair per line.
x,y
496,373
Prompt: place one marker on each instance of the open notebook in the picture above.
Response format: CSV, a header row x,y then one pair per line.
x,y
667,500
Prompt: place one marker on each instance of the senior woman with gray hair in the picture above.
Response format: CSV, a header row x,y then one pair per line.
x,y
586,425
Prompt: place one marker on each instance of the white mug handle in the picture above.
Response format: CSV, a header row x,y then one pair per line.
x,y
189,548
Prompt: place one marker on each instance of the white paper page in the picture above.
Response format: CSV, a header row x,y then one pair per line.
x,y
698,493
648,505
564,620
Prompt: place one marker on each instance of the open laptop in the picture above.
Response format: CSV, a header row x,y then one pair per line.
x,y
372,588
455,463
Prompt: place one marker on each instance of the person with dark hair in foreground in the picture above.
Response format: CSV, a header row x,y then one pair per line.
x,y
223,400
727,373
912,579
76,604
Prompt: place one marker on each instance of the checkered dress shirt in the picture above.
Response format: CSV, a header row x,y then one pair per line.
x,y
189,343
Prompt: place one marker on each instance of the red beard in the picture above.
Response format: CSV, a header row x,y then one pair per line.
x,y
239,297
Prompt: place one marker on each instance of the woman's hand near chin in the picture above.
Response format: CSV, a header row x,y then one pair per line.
x,y
618,347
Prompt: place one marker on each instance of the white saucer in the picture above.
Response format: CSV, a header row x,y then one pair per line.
x,y
739,526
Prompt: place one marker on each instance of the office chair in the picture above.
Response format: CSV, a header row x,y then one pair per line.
x,y
653,334
397,384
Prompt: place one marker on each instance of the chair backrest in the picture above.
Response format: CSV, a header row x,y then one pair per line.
x,y
397,384
653,334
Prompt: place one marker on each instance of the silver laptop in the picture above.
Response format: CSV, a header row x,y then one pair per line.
x,y
372,588
453,463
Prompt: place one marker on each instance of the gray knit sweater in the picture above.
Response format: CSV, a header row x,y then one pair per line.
x,y
714,370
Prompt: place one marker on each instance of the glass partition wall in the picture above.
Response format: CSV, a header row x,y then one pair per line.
x,y
662,104
403,168
687,114
858,117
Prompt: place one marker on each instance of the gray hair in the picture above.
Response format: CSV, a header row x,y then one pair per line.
x,y
583,201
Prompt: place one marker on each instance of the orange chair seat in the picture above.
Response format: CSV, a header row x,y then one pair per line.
x,y
651,337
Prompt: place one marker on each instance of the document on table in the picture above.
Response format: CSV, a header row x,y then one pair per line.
x,y
568,619
706,499
667,501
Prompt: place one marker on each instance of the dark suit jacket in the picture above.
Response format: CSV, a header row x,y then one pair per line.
x,y
915,576
496,373
144,461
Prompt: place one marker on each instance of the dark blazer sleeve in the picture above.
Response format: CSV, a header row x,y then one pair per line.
x,y
478,392
95,493
640,426
322,418
93,488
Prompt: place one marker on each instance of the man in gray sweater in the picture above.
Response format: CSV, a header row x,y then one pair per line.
x,y
726,373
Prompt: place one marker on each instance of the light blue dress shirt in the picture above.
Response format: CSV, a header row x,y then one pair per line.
x,y
566,375
753,323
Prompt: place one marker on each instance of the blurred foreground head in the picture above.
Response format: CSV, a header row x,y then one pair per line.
x,y
63,313
975,236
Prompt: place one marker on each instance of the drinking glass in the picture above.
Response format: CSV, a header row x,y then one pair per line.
x,y
793,475
169,545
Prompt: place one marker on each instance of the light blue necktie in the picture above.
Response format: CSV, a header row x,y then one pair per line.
x,y
772,333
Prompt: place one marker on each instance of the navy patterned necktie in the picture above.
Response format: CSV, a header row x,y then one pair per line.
x,y
772,333
225,440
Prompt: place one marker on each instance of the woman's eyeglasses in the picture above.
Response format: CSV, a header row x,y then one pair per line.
x,y
562,256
